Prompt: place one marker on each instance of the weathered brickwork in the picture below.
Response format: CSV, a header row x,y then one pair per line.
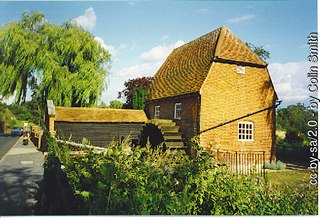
x,y
189,123
227,95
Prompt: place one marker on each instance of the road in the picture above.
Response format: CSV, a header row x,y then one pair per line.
x,y
21,173
6,142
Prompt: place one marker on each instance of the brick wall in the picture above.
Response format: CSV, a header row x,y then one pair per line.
x,y
227,95
188,124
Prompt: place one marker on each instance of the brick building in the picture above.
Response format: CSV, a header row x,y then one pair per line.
x,y
216,88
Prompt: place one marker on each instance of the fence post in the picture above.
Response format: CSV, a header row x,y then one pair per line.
x,y
217,155
237,162
264,170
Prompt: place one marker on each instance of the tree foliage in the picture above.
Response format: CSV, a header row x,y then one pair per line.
x,y
59,62
116,104
294,120
21,112
259,50
139,98
136,92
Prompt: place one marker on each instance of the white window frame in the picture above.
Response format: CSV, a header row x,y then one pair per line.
x,y
241,69
157,112
246,131
177,115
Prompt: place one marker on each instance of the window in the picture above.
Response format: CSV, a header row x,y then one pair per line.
x,y
245,131
241,69
156,112
177,111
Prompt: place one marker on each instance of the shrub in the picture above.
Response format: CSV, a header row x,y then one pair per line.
x,y
275,165
134,180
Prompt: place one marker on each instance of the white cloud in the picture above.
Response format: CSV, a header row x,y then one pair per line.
x,y
165,37
131,3
241,19
203,10
139,70
159,52
112,50
87,21
290,80
123,46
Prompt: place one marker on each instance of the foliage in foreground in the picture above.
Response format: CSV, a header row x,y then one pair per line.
x,y
134,180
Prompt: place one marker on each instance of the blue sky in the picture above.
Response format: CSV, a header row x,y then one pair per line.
x,y
141,34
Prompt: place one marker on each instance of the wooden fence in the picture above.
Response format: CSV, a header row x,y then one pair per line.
x,y
245,163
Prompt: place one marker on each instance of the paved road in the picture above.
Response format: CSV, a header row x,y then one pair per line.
x,y
21,171
6,142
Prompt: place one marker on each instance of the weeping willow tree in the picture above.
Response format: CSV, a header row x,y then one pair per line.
x,y
59,62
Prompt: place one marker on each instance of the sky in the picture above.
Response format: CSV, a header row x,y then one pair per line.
x,y
141,34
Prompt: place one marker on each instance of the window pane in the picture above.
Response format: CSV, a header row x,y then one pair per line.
x,y
245,131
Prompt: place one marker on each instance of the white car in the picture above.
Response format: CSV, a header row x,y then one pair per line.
x,y
17,131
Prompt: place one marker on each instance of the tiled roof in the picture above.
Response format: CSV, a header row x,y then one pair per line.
x,y
230,47
99,115
186,68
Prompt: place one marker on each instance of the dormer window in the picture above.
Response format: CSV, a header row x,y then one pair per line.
x,y
241,69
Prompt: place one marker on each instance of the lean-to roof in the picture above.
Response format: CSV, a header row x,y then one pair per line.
x,y
99,115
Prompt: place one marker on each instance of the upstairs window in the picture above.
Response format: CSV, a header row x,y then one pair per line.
x,y
157,112
241,69
245,131
177,111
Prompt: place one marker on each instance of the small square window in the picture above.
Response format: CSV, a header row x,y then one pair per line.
x,y
245,131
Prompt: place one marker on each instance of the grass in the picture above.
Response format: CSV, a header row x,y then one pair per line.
x,y
291,178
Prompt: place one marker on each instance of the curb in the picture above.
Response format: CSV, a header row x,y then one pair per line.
x,y
10,149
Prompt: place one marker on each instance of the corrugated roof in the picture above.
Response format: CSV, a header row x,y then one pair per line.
x,y
186,68
99,115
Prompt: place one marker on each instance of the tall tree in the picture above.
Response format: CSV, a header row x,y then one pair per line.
x,y
59,62
136,92
139,98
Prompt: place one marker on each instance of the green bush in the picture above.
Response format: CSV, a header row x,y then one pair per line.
x,y
275,165
134,180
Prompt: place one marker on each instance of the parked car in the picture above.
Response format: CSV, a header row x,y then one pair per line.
x,y
17,131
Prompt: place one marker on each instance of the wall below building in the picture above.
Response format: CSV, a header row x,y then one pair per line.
x,y
99,134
